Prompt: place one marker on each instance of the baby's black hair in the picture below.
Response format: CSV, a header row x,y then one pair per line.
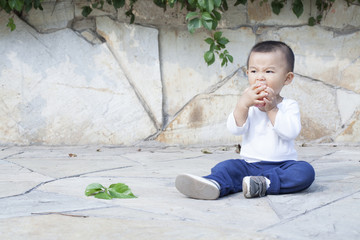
x,y
272,46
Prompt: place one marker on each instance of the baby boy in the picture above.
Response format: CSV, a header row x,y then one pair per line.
x,y
269,124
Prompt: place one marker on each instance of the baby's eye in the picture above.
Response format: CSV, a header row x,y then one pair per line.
x,y
253,71
269,71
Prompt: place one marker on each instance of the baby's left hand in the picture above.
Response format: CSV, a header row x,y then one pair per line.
x,y
270,100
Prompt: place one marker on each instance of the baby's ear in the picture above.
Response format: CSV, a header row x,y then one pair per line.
x,y
289,78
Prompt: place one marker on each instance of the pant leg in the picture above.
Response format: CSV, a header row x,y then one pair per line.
x,y
289,177
230,173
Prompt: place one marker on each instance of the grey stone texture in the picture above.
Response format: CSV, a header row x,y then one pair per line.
x,y
42,195
66,79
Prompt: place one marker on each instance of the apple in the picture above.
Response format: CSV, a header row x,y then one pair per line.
x,y
261,99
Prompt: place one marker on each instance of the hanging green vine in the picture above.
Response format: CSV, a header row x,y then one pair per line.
x,y
201,14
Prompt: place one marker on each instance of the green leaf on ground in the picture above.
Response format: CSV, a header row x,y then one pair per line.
x,y
117,190
93,189
103,195
120,190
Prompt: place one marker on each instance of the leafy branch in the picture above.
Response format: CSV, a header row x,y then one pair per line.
x,y
217,44
208,16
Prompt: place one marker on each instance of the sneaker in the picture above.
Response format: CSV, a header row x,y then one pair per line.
x,y
197,187
254,186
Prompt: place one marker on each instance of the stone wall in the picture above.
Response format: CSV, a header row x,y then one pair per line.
x,y
70,80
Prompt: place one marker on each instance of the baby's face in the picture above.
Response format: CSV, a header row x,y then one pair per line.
x,y
268,68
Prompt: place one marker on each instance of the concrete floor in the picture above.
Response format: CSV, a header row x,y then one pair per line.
x,y
42,196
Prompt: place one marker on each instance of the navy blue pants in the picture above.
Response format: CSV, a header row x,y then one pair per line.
x,y
286,176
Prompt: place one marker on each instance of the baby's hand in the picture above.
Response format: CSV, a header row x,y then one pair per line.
x,y
254,95
262,95
270,100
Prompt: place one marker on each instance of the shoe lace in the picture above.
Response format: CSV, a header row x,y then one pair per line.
x,y
262,186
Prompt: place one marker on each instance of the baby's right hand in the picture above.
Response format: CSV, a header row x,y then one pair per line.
x,y
253,95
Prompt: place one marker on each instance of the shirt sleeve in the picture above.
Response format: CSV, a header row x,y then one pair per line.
x,y
233,128
287,121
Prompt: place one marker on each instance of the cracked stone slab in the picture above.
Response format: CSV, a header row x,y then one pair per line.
x,y
99,228
62,165
204,118
38,202
136,49
317,122
351,132
348,102
63,97
55,15
7,152
156,165
311,153
180,208
15,179
342,15
335,61
173,207
324,211
145,182
337,220
331,177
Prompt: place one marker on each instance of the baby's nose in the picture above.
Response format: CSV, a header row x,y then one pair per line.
x,y
261,81
260,77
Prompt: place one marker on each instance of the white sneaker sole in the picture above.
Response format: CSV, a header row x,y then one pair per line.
x,y
246,187
197,187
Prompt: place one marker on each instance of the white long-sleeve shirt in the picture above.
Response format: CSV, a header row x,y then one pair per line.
x,y
264,142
